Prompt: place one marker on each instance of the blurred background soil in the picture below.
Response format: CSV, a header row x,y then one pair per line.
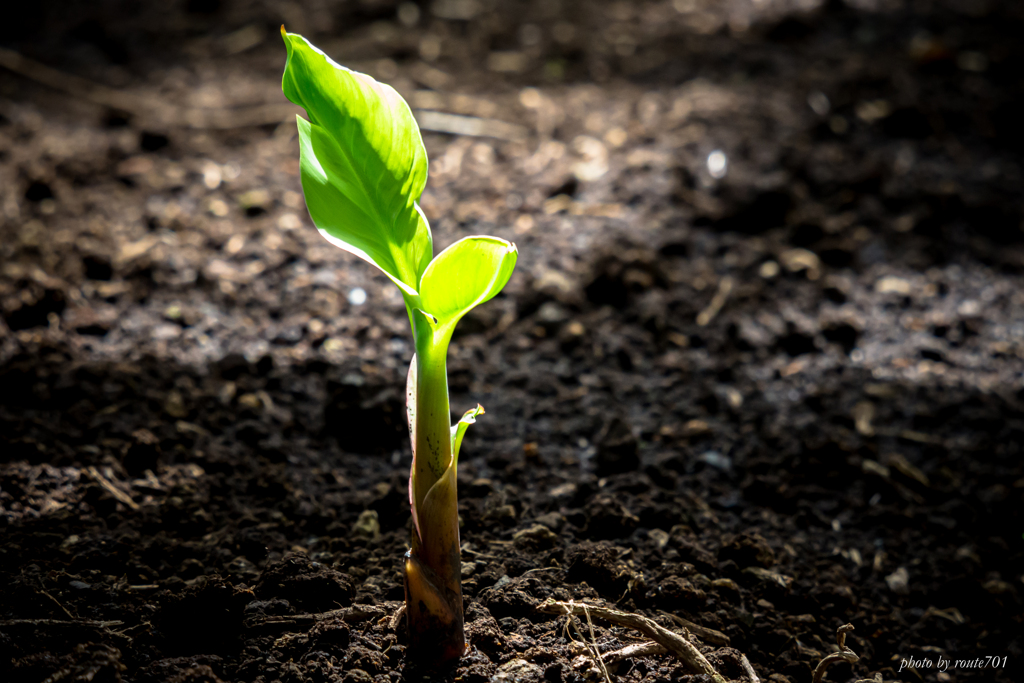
x,y
761,365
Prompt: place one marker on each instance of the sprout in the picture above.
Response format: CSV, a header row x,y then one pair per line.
x,y
363,168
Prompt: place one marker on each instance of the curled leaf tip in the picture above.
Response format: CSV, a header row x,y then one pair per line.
x,y
459,429
430,318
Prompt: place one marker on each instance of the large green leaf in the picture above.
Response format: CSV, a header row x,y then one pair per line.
x,y
363,164
465,275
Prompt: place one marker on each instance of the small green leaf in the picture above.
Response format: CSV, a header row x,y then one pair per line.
x,y
363,164
465,275
460,427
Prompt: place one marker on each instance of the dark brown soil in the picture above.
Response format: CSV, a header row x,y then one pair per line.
x,y
770,403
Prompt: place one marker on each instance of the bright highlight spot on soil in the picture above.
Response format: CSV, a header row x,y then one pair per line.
x,y
357,297
718,164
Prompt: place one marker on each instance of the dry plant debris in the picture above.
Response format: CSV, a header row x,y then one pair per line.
x,y
845,654
672,642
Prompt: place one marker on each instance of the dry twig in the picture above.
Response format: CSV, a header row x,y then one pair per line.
x,y
109,487
474,126
643,649
705,317
593,642
397,617
748,669
61,623
58,603
845,654
708,635
673,642
595,654
355,613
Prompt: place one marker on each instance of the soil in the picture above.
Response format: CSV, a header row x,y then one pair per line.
x,y
770,391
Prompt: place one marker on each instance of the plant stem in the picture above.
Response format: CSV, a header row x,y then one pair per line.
x,y
433,586
433,414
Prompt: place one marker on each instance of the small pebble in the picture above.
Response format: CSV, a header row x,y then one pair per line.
x,y
899,581
818,102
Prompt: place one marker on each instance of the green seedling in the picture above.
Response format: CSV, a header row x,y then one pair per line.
x,y
363,169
